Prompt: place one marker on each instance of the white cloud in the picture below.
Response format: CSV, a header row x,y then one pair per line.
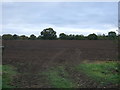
x,y
28,29
59,1
69,18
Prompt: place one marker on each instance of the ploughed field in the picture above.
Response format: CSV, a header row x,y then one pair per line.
x,y
32,57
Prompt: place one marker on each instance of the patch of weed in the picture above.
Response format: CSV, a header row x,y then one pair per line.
x,y
8,72
0,76
59,78
102,72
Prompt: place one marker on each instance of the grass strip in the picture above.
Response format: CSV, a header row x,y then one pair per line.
x,y
59,78
102,72
8,73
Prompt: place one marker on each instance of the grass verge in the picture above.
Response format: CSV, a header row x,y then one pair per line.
x,y
104,73
0,76
8,73
59,78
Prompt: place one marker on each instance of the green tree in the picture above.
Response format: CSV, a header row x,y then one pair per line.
x,y
92,37
32,37
49,34
79,37
7,37
71,37
102,37
0,37
23,37
112,35
15,37
63,36
39,37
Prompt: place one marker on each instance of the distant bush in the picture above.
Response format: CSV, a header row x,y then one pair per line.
x,y
50,34
92,37
7,37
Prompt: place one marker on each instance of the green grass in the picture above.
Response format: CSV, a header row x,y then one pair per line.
x,y
0,76
102,72
8,73
59,78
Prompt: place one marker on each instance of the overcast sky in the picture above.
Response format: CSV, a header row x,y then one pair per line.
x,y
64,17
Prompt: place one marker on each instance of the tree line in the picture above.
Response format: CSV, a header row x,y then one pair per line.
x,y
50,34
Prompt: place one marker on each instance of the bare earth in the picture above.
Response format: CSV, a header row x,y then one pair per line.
x,y
31,57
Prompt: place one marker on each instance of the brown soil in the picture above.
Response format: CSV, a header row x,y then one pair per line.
x,y
31,57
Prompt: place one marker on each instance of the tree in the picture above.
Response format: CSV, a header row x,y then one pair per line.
x,y
112,35
63,36
71,37
102,37
32,37
23,37
0,37
79,37
7,37
15,37
39,37
92,37
49,34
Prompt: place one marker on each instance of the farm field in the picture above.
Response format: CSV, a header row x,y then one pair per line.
x,y
55,63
